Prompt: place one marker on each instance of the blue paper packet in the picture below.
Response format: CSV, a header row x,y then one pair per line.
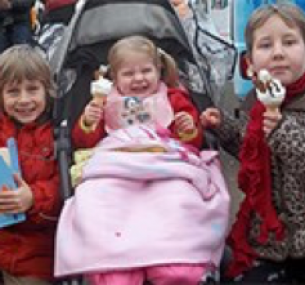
x,y
7,182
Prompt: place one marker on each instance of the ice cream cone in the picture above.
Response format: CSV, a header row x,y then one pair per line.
x,y
99,98
270,91
100,89
272,109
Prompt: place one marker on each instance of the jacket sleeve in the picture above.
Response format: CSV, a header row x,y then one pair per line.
x,y
231,132
287,140
47,201
181,102
82,138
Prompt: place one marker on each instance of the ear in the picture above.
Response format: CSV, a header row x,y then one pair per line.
x,y
245,66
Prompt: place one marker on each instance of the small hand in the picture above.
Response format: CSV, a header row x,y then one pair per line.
x,y
93,113
5,5
181,6
13,201
184,123
210,118
270,122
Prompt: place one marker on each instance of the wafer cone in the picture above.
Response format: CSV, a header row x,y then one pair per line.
x,y
272,109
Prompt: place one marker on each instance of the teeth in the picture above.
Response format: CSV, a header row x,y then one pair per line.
x,y
24,111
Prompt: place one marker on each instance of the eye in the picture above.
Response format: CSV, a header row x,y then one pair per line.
x,y
33,88
127,73
264,45
290,42
147,70
12,91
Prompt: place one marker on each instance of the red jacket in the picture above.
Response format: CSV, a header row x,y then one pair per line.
x,y
26,249
179,100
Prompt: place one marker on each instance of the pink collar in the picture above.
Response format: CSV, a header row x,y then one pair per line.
x,y
122,111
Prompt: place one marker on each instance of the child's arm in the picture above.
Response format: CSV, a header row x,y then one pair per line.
x,y
40,200
210,118
13,201
46,201
229,130
287,139
187,127
89,129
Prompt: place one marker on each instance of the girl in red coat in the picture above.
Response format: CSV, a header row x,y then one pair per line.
x,y
26,248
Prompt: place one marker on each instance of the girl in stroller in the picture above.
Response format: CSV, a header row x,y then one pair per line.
x,y
149,205
135,68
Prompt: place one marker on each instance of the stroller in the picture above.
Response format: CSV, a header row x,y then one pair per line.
x,y
96,25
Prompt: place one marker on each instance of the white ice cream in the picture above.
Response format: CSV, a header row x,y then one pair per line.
x,y
275,92
101,87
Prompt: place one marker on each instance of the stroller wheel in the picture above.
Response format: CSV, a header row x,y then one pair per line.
x,y
212,277
208,281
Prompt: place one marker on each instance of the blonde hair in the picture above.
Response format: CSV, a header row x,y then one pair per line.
x,y
289,13
24,62
163,61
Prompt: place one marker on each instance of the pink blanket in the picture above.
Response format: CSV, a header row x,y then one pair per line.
x,y
143,209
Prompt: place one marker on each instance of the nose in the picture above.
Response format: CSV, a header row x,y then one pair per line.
x,y
278,50
23,97
138,76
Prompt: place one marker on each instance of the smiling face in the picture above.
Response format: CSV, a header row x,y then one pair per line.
x,y
25,101
137,75
279,48
26,85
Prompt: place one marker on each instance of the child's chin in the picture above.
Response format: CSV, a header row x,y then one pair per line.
x,y
283,77
27,120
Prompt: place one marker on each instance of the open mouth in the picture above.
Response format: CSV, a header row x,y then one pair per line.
x,y
138,90
25,111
